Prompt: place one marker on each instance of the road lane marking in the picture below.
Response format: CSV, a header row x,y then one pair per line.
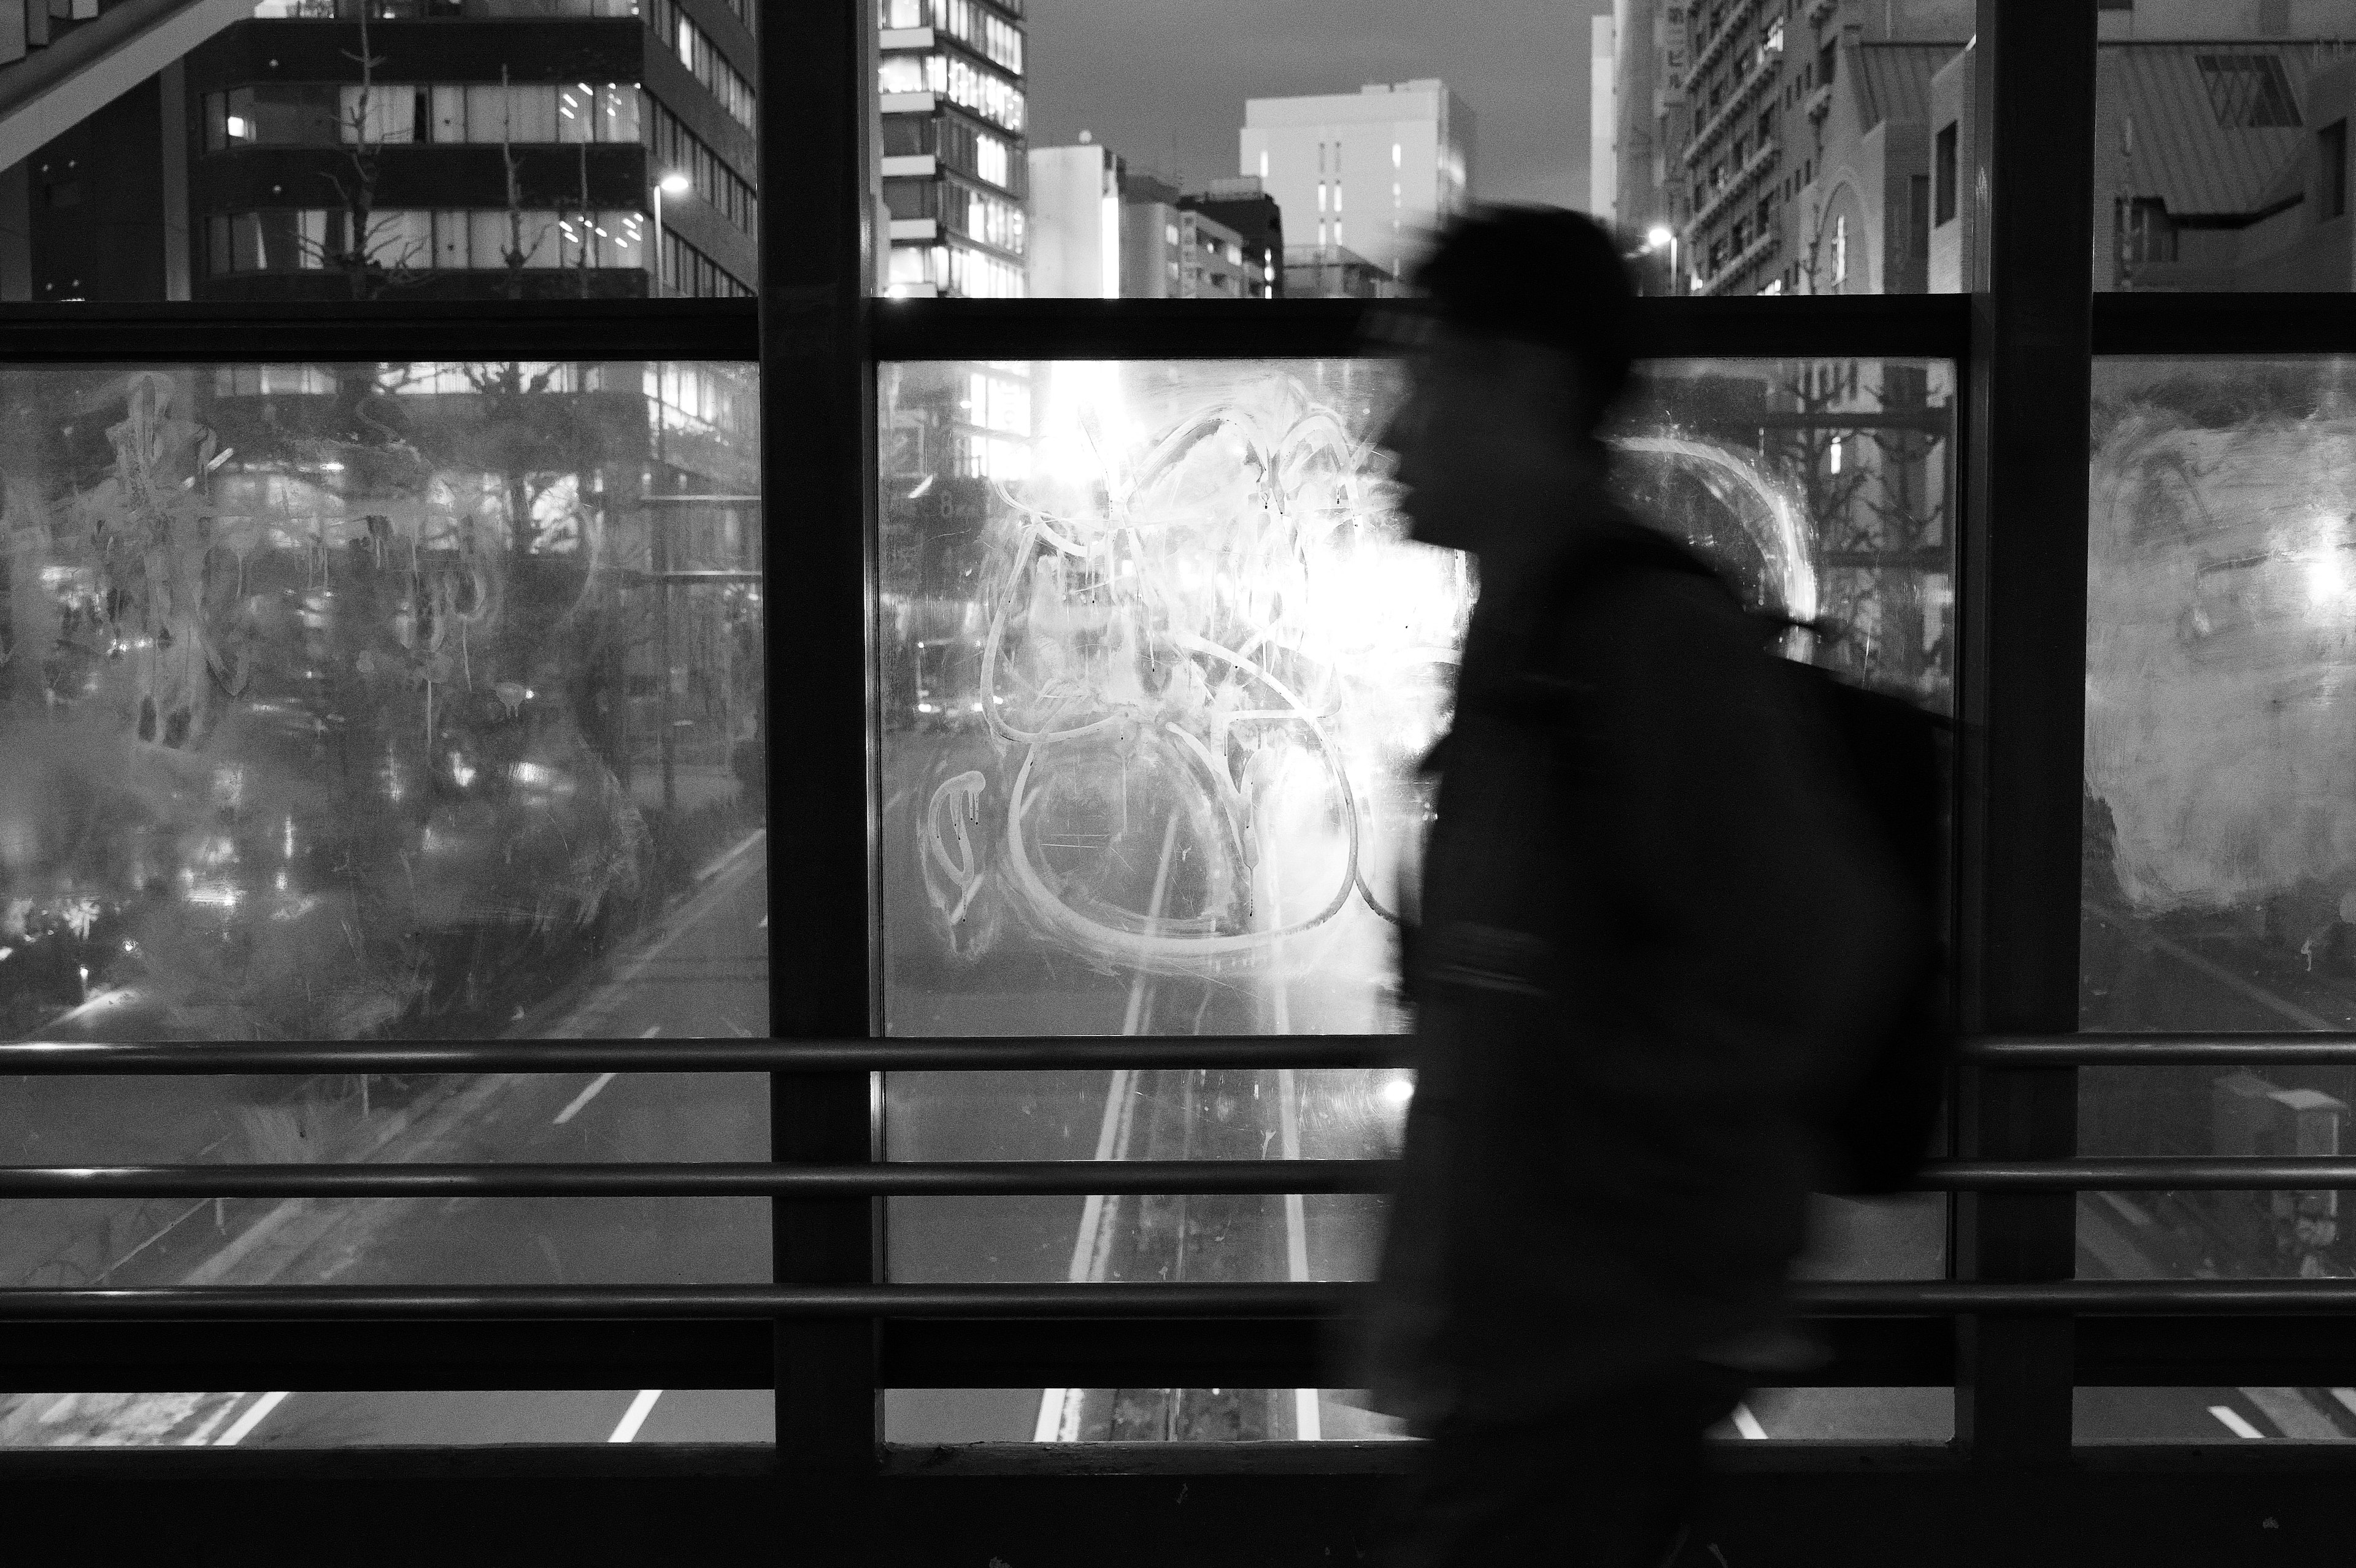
x,y
2287,1408
2347,1398
636,1416
2235,1422
583,1098
650,1031
245,1424
1746,1422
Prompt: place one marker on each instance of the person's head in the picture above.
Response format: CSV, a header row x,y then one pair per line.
x,y
1520,354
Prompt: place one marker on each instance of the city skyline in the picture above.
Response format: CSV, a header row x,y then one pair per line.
x,y
1167,85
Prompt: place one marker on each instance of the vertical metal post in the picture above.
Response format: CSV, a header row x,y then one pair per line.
x,y
666,733
818,469
2025,583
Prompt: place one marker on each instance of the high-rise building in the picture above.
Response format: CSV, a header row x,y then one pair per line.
x,y
1757,85
1371,172
954,165
432,148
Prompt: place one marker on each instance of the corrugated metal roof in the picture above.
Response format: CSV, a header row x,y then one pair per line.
x,y
1892,81
2181,151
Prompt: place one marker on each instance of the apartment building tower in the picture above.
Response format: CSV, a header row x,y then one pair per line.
x,y
954,122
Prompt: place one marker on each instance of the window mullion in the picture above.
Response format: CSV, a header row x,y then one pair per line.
x,y
817,465
2023,688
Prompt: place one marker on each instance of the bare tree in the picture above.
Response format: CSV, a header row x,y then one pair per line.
x,y
356,252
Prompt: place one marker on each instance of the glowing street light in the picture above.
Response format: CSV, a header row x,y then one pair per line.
x,y
672,184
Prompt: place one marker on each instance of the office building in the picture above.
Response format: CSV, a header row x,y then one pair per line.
x,y
1258,220
1371,172
953,146
1103,229
1602,121
438,151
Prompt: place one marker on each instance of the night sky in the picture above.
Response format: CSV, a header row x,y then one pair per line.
x,y
1162,82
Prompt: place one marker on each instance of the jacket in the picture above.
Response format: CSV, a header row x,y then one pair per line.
x,y
1648,924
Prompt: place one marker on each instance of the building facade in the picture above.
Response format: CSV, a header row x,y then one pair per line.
x,y
1371,172
1258,222
439,150
954,122
1102,230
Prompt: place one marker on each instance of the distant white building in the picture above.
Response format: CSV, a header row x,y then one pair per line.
x,y
1075,199
1371,171
1100,231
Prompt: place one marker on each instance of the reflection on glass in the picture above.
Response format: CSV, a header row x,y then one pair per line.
x,y
1159,663
363,699
2221,845
1158,667
345,701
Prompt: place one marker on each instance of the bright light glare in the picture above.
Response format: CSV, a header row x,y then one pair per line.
x,y
1398,1092
2327,579
674,184
1659,236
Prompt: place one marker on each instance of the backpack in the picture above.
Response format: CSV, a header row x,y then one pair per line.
x,y
1880,1122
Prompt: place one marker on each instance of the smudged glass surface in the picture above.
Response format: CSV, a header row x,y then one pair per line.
x,y
2219,875
354,700
1158,666
1159,662
350,702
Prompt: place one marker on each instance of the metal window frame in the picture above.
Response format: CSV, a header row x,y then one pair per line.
x,y
2013,1334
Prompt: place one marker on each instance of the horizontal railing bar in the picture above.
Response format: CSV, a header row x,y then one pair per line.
x,y
982,1054
702,1179
2269,324
1812,327
1072,1178
1016,1053
1909,1298
2162,1050
384,331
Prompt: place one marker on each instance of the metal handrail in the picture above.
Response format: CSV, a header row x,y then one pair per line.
x,y
982,1054
1017,1053
1897,1298
1038,1178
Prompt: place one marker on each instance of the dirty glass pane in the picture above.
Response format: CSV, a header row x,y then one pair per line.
x,y
349,702
1157,666
2219,874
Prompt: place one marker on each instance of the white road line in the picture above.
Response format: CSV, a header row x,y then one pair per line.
x,y
1746,1422
650,1031
2235,1422
2347,1398
253,1418
583,1098
636,1416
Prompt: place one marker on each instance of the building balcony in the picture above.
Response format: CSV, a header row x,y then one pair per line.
x,y
1820,11
1748,257
1723,197
1713,49
1746,93
1819,103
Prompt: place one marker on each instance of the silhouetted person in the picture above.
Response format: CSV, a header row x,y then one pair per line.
x,y
1646,917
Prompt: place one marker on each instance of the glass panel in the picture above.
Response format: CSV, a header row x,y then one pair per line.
x,y
1158,662
358,701
2214,1416
1129,1416
1148,722
2220,147
409,1418
2219,865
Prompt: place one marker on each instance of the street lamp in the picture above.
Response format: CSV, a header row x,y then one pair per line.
x,y
1662,234
672,184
